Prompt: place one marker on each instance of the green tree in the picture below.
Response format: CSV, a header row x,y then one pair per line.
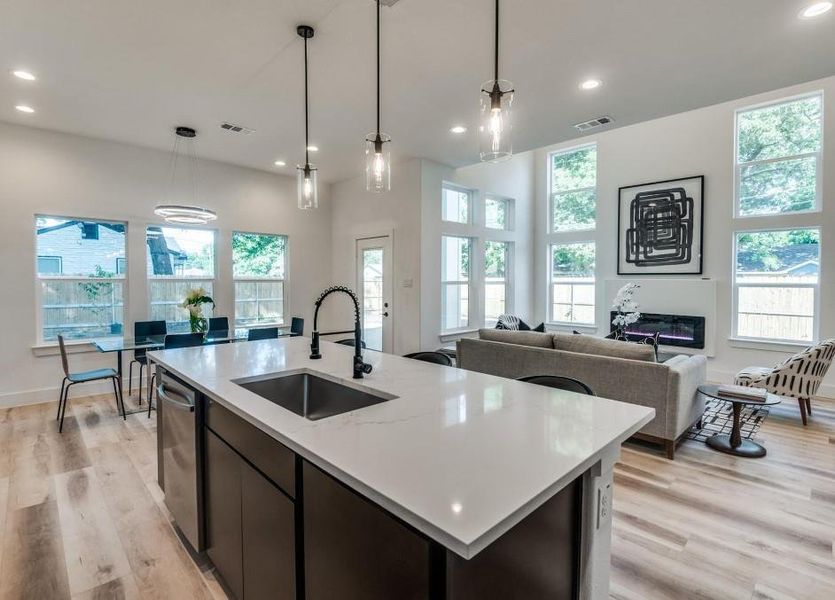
x,y
574,198
573,260
257,255
774,132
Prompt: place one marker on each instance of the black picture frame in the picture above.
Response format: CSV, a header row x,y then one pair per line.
x,y
677,229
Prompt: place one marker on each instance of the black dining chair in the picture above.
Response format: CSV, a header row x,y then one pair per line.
x,y
70,379
143,329
349,342
296,327
431,357
218,324
175,340
262,333
561,383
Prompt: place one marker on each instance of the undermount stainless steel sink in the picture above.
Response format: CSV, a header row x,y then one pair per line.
x,y
311,396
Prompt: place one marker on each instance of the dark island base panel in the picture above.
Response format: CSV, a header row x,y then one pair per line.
x,y
356,551
279,528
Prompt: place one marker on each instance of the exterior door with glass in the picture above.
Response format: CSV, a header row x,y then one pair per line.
x,y
374,284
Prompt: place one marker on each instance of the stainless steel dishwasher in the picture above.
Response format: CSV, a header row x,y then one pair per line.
x,y
180,428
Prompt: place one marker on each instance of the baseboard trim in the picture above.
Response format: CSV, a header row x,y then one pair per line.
x,y
50,394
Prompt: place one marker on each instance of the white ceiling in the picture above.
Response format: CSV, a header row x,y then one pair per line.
x,y
131,71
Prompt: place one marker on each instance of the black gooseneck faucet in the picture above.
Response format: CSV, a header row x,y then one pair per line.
x,y
360,367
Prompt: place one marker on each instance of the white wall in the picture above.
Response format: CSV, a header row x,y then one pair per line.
x,y
699,142
358,214
49,173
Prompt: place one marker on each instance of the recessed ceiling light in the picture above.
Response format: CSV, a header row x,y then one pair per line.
x,y
280,163
815,10
26,75
25,109
590,84
313,148
458,129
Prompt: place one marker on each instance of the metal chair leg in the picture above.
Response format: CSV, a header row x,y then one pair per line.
x,y
151,394
141,368
64,409
120,398
61,398
130,378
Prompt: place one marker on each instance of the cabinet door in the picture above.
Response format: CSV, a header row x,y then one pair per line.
x,y
223,512
354,550
269,543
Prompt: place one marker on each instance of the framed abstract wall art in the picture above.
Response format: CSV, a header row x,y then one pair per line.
x,y
660,227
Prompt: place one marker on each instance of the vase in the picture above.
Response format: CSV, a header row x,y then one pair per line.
x,y
198,323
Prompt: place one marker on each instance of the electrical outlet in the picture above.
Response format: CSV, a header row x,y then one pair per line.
x,y
604,504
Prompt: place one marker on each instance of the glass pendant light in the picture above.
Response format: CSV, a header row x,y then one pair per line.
x,y
495,128
188,214
377,144
308,189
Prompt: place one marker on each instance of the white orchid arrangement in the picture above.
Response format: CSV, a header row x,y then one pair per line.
x,y
626,306
195,299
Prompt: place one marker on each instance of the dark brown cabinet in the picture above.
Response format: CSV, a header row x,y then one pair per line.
x,y
224,543
250,527
353,550
269,553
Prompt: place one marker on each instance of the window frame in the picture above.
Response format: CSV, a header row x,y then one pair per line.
x,y
551,193
471,195
149,279
507,282
819,157
549,309
283,280
470,283
510,212
816,287
119,277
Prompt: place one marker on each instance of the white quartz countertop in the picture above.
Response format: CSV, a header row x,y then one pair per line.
x,y
461,456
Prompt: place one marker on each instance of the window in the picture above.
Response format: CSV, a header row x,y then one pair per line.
x,y
80,294
572,283
455,282
496,259
497,213
778,157
178,260
573,182
258,268
455,204
776,280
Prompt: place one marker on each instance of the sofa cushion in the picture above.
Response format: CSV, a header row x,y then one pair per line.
x,y
588,344
520,338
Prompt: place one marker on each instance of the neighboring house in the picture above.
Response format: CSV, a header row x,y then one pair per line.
x,y
76,248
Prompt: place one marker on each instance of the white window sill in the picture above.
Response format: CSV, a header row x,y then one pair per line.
x,y
455,334
768,345
52,349
568,326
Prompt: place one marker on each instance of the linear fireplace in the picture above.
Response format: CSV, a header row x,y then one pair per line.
x,y
673,330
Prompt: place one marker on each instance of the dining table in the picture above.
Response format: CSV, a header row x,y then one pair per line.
x,y
121,344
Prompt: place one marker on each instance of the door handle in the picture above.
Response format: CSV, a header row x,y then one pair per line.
x,y
167,399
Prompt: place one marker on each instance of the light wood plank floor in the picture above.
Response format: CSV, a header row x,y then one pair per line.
x,y
81,516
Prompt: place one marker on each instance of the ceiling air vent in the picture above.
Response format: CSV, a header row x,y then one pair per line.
x,y
598,122
236,128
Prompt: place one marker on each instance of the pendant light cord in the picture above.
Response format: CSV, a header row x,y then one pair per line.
x,y
306,115
496,63
378,69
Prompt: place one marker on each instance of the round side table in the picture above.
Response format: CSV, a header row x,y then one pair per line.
x,y
733,443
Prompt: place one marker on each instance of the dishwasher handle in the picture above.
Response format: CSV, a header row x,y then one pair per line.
x,y
163,392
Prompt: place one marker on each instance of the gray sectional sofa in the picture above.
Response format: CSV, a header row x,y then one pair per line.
x,y
616,370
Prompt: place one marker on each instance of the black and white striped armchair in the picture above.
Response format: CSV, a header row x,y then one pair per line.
x,y
798,376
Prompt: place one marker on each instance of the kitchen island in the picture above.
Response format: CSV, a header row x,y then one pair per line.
x,y
451,484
